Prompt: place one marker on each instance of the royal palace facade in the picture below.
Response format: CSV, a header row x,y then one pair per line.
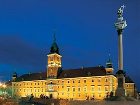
x,y
78,84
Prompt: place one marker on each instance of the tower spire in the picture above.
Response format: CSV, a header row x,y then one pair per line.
x,y
109,62
54,38
54,48
54,60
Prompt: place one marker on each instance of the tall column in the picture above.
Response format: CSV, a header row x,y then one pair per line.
x,y
120,25
120,50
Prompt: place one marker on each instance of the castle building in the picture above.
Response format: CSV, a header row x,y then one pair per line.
x,y
78,84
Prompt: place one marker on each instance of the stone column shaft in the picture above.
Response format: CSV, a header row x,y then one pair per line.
x,y
120,50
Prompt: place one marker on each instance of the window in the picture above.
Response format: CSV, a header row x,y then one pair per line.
x,y
85,88
62,82
106,80
78,81
79,89
51,58
73,94
73,81
106,88
68,89
92,80
57,58
99,80
92,88
99,88
79,95
68,94
68,81
84,81
73,89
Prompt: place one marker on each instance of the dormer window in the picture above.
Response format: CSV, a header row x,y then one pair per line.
x,y
65,75
51,58
57,58
89,73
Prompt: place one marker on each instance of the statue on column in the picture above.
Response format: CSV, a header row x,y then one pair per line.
x,y
120,11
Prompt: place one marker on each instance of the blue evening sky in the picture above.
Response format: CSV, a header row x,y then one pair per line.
x,y
84,30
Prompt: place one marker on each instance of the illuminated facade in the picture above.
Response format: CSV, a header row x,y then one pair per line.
x,y
80,84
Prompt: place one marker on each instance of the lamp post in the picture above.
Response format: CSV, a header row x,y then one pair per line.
x,y
2,88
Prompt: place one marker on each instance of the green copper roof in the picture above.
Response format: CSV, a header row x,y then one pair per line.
x,y
14,74
54,47
109,63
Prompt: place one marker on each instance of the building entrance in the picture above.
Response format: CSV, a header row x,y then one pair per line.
x,y
51,96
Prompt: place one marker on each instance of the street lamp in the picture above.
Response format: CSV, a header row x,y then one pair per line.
x,y
4,86
2,89
0,84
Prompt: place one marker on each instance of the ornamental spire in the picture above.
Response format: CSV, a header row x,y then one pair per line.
x,y
54,38
109,63
54,47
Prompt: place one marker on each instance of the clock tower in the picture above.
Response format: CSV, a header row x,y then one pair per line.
x,y
54,61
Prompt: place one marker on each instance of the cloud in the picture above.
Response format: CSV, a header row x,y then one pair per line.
x,y
20,54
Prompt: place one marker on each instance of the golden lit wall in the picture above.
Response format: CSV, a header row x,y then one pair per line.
x,y
129,88
70,88
54,62
26,88
83,87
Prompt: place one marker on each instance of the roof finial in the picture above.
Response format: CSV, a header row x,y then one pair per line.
x,y
109,60
54,37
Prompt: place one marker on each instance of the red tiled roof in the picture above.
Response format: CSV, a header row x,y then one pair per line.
x,y
32,76
72,73
128,80
83,72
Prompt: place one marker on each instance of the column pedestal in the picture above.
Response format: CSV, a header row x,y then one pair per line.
x,y
121,83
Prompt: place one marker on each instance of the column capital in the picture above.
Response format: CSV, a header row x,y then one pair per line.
x,y
119,31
